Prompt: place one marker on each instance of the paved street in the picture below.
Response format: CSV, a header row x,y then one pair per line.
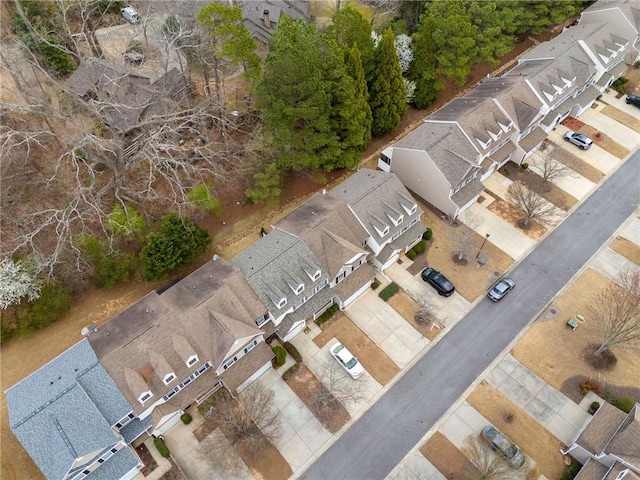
x,y
381,438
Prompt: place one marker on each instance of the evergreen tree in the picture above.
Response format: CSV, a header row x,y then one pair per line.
x,y
454,38
350,28
386,90
423,67
294,97
493,40
354,68
410,11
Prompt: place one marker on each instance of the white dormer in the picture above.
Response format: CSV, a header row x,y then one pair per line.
x,y
281,302
168,378
145,396
383,232
192,360
396,220
483,144
295,284
299,289
496,136
505,128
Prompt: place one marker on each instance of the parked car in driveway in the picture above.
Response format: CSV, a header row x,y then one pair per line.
x,y
578,139
501,444
438,281
633,100
346,359
500,289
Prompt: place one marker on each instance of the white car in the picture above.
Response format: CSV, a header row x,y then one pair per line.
x,y
578,139
130,14
347,360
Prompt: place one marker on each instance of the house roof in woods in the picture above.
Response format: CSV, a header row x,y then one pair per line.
x,y
261,17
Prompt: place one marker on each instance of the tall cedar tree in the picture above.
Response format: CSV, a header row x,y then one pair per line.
x,y
349,27
363,117
386,90
294,97
493,41
423,67
454,38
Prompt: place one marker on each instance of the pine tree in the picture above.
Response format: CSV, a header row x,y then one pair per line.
x,y
423,67
363,117
386,89
350,28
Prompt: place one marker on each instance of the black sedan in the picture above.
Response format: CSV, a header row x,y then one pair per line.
x,y
633,100
501,288
438,281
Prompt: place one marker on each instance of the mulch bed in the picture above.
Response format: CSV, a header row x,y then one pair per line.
x,y
149,462
511,215
305,385
571,389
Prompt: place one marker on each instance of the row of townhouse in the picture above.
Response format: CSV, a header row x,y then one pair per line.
x,y
78,415
506,118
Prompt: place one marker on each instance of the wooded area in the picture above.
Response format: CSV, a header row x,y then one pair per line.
x,y
96,152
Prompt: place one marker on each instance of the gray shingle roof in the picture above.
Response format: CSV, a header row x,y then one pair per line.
x,y
117,466
369,193
265,262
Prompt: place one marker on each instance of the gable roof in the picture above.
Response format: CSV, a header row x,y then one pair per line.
x,y
332,232
625,443
602,427
58,412
275,261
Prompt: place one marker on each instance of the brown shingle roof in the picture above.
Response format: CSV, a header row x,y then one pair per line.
x,y
592,470
626,442
603,425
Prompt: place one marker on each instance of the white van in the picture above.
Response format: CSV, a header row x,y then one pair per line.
x,y
130,14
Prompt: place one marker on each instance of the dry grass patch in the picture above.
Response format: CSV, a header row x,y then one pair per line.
x,y
444,455
407,307
627,249
554,352
374,360
622,117
511,215
551,193
531,437
579,166
605,142
471,280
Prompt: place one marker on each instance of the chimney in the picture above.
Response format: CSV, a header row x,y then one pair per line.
x,y
265,18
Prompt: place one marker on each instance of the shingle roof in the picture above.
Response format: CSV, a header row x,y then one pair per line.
x,y
117,466
626,442
265,262
330,229
592,470
601,428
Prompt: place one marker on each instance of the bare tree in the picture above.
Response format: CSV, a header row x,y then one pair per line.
x,y
550,168
426,312
463,239
616,310
531,205
489,465
339,390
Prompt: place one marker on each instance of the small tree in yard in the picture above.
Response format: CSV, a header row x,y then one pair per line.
x,y
531,206
551,169
340,388
616,310
463,239
17,282
489,465
246,424
426,313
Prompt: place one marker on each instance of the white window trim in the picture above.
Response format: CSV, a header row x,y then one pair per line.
x,y
281,303
168,378
192,360
299,290
145,396
316,275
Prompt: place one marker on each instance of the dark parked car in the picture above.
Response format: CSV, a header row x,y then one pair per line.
x,y
633,100
578,139
438,281
501,288
501,444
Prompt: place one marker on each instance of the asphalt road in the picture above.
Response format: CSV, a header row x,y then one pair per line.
x,y
379,440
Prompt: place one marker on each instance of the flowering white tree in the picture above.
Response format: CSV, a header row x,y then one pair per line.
x,y
16,282
409,89
403,49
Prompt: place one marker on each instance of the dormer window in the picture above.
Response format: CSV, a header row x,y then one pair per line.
x,y
145,396
168,378
299,289
385,231
316,275
192,360
281,303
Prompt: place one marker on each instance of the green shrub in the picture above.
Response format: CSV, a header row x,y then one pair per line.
x,y
594,406
293,351
328,313
571,472
178,242
588,386
125,220
411,254
620,84
524,165
114,269
375,284
162,448
637,64
200,196
186,418
263,232
507,172
389,291
290,372
281,355
624,403
54,301
420,247
427,234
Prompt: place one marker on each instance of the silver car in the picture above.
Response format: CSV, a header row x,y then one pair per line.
x,y
346,359
578,139
500,289
501,444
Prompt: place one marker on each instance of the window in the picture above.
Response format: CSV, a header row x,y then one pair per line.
x,y
192,360
316,275
262,320
300,289
340,277
385,159
170,377
364,243
249,347
144,397
281,303
230,362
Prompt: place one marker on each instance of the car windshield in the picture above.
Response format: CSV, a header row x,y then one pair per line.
x,y
338,349
352,363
